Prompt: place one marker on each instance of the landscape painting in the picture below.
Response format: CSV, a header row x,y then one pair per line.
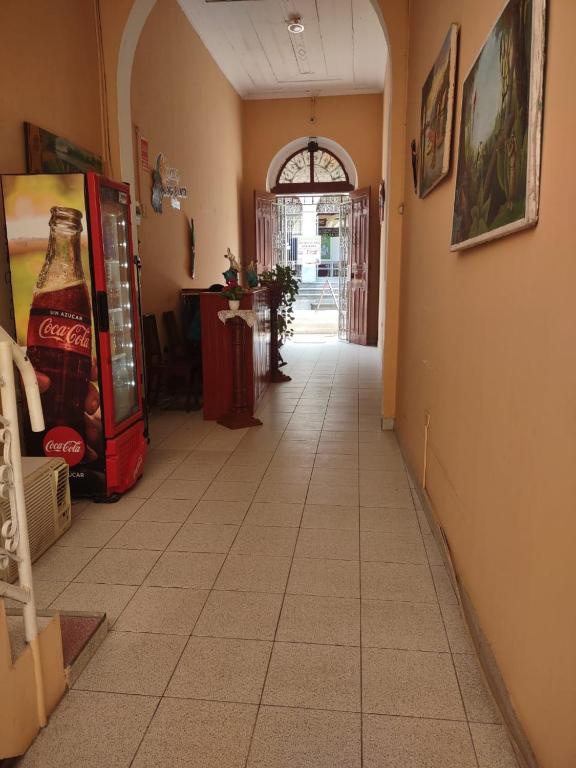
x,y
497,183
436,115
48,153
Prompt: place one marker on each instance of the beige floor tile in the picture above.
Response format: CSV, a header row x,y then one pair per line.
x,y
145,487
313,676
392,547
190,470
408,742
340,449
137,535
329,544
292,493
92,730
242,458
372,460
244,474
190,490
195,570
342,476
222,669
333,461
274,513
443,585
219,512
316,576
45,592
339,495
388,520
254,573
374,496
305,738
157,510
234,491
207,459
132,662
457,631
478,700
410,683
384,478
123,509
197,734
492,746
295,473
260,540
163,610
90,533
248,615
62,563
324,620
408,626
95,598
423,520
397,581
199,537
331,516
112,566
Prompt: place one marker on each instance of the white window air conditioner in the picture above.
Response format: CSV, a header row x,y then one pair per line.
x,y
48,507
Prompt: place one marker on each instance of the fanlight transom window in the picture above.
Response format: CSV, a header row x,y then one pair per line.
x,y
312,168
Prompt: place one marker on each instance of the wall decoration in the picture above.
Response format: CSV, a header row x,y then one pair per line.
x,y
382,200
498,179
436,115
414,157
166,183
48,153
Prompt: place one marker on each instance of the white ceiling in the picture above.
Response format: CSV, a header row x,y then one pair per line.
x,y
341,51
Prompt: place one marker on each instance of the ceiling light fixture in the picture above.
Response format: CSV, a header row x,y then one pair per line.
x,y
295,25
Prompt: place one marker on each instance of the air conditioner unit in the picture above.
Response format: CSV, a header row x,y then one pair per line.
x,y
48,507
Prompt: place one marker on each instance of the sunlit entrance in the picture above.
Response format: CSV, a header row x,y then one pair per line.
x,y
311,237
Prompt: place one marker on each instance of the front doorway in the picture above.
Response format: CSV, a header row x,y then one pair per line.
x,y
324,238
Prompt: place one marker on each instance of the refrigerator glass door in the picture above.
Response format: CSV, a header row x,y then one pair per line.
x,y
120,303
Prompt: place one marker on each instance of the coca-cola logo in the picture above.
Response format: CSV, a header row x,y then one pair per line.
x,y
77,335
64,443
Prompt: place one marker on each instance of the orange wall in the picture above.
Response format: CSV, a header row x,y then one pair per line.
x,y
354,122
487,348
187,110
48,76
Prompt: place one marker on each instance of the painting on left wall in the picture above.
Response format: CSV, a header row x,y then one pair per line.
x,y
48,153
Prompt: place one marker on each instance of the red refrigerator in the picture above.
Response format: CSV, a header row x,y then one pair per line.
x,y
76,310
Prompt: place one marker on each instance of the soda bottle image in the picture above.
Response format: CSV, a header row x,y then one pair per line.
x,y
59,337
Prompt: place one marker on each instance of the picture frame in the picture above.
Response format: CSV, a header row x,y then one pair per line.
x,y
437,115
48,153
498,175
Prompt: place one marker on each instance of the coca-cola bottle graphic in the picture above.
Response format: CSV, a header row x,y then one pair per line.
x,y
60,336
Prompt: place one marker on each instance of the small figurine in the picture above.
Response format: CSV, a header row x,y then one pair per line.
x,y
234,268
252,275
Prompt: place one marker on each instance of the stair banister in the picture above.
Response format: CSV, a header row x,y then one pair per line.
x,y
15,531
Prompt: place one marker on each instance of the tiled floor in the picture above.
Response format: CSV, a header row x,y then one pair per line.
x,y
276,599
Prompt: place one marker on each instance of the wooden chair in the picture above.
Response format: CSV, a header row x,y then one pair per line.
x,y
162,372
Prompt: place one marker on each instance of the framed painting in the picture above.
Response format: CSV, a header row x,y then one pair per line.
x,y
436,115
48,153
498,177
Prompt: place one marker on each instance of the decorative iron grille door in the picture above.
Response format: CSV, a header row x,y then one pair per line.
x,y
344,268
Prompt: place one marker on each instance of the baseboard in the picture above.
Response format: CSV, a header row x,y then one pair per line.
x,y
488,663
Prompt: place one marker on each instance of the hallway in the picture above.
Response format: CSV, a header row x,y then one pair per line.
x,y
276,599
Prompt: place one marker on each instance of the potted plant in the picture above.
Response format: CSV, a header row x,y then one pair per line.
x,y
283,282
233,292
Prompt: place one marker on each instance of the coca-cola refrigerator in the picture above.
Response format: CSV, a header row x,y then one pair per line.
x,y
76,310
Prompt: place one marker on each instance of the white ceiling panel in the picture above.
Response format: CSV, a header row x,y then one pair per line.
x,y
341,51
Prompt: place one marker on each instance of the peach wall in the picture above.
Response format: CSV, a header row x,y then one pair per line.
x,y
487,349
354,122
48,76
187,110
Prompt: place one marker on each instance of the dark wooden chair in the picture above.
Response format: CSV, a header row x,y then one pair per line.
x,y
165,372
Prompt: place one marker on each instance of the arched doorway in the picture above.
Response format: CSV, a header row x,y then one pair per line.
x,y
314,220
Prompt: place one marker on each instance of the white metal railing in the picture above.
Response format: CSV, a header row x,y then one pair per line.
x,y
14,541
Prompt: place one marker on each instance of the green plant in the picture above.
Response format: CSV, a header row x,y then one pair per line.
x,y
289,285
233,291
